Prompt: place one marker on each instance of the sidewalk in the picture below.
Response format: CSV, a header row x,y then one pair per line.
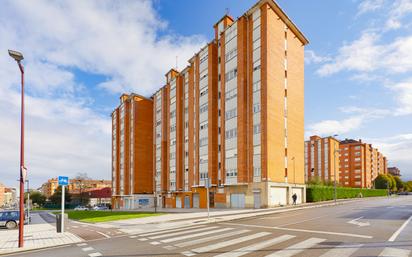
x,y
38,234
181,217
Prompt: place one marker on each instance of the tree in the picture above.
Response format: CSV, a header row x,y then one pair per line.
x,y
392,185
37,198
408,186
56,198
382,182
81,184
399,183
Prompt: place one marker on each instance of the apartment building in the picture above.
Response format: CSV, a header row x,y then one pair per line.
x,y
322,159
360,163
132,152
48,188
394,171
232,120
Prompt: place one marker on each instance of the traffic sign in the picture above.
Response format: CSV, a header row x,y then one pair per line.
x,y
63,181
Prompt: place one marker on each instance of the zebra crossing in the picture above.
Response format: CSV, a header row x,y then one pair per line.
x,y
226,241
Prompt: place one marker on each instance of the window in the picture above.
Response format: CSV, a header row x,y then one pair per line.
x,y
203,141
172,128
256,86
203,108
203,125
231,133
231,94
172,114
257,172
231,54
256,108
204,91
231,114
256,129
231,74
203,59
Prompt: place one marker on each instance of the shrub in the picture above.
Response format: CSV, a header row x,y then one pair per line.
x,y
325,193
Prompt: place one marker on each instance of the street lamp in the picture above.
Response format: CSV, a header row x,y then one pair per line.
x,y
18,57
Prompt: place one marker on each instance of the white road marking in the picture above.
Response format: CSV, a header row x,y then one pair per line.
x,y
170,230
395,252
256,247
87,249
397,232
358,223
82,244
211,238
95,254
297,248
301,230
155,243
103,234
188,253
142,239
182,232
230,242
169,247
173,239
342,251
132,236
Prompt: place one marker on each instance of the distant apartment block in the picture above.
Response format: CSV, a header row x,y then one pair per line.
x,y
132,151
360,163
49,188
233,117
394,171
322,159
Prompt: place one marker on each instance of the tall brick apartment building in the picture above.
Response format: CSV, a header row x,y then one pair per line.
x,y
360,163
234,117
322,159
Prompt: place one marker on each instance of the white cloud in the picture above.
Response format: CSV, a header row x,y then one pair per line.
x,y
370,6
358,118
404,97
331,127
366,55
312,57
125,41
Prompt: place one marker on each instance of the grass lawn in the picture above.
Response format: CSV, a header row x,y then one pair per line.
x,y
103,216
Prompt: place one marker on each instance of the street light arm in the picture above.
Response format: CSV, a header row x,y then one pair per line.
x,y
21,67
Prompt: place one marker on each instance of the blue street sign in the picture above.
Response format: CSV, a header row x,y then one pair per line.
x,y
63,181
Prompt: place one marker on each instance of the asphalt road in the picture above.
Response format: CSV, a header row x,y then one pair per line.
x,y
83,230
372,227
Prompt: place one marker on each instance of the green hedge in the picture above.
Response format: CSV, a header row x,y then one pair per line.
x,y
324,193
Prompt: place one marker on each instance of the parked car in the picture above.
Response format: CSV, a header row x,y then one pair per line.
x,y
81,208
100,208
10,219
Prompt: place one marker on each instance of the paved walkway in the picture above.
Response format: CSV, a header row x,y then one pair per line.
x,y
38,234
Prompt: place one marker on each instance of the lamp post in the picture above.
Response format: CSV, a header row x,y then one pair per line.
x,y
334,175
18,57
28,201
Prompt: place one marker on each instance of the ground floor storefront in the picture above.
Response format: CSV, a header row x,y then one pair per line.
x,y
254,195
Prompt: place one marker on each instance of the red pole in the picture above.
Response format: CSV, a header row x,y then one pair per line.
x,y
21,220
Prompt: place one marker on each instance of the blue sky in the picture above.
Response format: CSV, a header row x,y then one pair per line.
x,y
80,56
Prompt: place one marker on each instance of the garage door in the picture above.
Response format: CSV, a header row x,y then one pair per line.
x,y
298,192
237,200
278,196
178,202
195,200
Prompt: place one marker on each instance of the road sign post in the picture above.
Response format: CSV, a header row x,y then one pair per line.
x,y
207,197
63,181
